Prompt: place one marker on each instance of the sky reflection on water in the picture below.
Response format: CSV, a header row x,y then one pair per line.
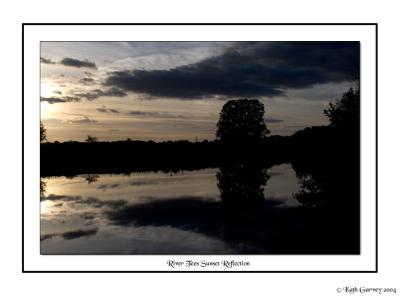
x,y
155,213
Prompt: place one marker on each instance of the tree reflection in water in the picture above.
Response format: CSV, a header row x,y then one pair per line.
x,y
330,191
242,184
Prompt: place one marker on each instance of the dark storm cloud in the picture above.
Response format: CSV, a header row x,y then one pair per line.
x,y
77,63
46,61
184,212
248,69
65,99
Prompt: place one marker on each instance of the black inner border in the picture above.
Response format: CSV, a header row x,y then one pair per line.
x,y
208,24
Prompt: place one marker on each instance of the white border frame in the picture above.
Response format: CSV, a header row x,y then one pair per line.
x,y
33,34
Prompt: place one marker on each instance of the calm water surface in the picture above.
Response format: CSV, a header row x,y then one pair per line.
x,y
157,213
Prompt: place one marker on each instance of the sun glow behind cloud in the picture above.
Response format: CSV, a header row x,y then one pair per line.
x,y
47,89
45,110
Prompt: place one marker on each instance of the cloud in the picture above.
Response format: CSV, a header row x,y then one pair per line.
x,y
186,212
144,182
91,95
211,218
88,73
65,99
143,113
79,233
91,201
104,109
248,69
87,80
156,114
47,236
52,100
104,187
111,92
272,120
46,61
78,63
84,120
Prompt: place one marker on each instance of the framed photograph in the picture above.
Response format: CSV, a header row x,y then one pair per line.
x,y
199,147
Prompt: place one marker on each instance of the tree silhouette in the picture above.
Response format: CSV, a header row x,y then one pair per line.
x,y
91,178
43,136
345,112
329,156
91,139
241,119
314,190
242,183
43,185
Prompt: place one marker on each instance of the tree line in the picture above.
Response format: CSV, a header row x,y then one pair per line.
x,y
241,135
